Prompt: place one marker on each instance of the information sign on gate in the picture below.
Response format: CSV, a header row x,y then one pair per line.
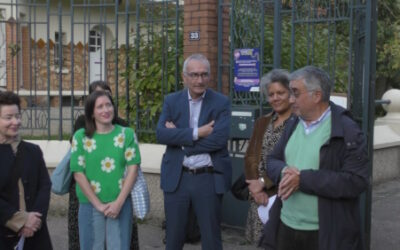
x,y
247,69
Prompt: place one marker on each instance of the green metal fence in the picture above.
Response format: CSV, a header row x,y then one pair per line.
x,y
337,35
52,50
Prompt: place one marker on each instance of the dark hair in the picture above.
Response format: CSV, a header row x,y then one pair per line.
x,y
9,98
99,84
90,127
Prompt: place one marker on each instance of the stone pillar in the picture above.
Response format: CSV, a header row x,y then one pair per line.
x,y
202,16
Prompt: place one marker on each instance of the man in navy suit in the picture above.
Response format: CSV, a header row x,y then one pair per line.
x,y
196,167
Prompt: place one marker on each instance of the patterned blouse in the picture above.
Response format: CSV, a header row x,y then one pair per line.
x,y
271,137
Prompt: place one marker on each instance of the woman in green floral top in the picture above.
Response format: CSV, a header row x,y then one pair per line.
x,y
104,160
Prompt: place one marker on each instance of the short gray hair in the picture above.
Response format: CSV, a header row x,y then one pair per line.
x,y
196,57
314,79
276,75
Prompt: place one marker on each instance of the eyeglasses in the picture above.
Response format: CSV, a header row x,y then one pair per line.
x,y
195,75
10,117
296,93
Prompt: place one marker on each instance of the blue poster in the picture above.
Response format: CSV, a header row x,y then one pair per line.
x,y
247,69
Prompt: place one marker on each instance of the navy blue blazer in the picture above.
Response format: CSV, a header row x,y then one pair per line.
x,y
180,141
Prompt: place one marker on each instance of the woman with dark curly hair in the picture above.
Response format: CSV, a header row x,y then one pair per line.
x,y
267,131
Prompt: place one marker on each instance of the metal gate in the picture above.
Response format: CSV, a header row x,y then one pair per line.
x,y
337,35
53,50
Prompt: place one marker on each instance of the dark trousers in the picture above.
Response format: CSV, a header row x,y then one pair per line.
x,y
292,239
198,191
7,243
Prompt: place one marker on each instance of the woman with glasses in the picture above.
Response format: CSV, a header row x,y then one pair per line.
x,y
24,184
266,133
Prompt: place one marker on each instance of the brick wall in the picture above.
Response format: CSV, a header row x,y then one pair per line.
x,y
12,60
202,16
26,57
28,68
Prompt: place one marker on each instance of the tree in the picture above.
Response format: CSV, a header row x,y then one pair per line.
x,y
388,46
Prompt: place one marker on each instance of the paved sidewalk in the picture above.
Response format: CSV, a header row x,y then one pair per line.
x,y
150,237
385,230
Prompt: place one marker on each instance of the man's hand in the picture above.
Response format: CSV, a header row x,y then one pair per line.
x,y
261,198
34,221
289,183
206,129
170,125
255,186
26,232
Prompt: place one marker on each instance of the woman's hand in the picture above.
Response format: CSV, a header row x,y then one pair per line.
x,y
113,209
101,207
261,198
255,186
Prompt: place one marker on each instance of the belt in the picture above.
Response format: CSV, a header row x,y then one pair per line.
x,y
200,170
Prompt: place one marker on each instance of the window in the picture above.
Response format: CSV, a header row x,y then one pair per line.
x,y
94,41
60,41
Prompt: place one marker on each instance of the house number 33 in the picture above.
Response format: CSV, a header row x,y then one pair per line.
x,y
194,36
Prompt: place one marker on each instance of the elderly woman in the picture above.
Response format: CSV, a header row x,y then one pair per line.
x,y
24,184
267,131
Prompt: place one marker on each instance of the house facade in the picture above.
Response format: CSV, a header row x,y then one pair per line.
x,y
57,48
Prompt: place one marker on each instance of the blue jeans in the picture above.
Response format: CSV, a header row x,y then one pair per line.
x,y
85,224
107,230
96,230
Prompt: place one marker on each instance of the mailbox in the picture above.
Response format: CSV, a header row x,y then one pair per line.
x,y
243,118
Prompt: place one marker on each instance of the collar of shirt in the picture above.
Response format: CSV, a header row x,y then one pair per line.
x,y
315,124
196,100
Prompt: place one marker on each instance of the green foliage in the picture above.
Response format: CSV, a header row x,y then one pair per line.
x,y
388,44
322,43
152,74
15,48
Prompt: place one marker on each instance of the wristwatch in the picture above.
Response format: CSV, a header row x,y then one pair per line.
x,y
261,179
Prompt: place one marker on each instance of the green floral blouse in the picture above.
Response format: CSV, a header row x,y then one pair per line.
x,y
103,159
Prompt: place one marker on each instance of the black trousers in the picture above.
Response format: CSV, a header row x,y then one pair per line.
x,y
292,239
8,243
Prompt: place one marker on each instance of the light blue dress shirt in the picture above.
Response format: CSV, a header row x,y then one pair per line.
x,y
315,124
200,160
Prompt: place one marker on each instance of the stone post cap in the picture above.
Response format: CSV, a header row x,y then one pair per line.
x,y
394,96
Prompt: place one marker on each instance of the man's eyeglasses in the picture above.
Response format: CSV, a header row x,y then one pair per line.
x,y
296,93
10,117
195,76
